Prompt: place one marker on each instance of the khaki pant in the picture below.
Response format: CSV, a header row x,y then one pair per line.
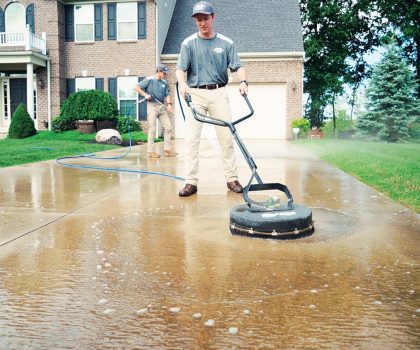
x,y
216,103
157,111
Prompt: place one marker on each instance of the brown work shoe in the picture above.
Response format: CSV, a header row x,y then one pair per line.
x,y
153,155
188,190
235,186
169,153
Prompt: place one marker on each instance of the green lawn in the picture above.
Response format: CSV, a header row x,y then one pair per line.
x,y
49,145
390,168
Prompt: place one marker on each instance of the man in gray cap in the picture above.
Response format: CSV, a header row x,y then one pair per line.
x,y
155,90
206,56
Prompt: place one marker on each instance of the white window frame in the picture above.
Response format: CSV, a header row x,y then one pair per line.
x,y
126,92
84,84
125,20
12,24
89,20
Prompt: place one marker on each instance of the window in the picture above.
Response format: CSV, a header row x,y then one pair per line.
x,y
15,18
127,21
83,84
84,22
127,96
6,102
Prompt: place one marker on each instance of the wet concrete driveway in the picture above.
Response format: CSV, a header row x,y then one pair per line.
x,y
105,260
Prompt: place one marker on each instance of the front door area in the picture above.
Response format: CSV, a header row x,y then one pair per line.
x,y
17,93
12,94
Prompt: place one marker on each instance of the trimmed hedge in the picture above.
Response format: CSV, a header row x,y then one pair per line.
x,y
89,105
60,124
22,125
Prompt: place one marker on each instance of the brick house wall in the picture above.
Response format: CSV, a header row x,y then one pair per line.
x,y
287,71
110,58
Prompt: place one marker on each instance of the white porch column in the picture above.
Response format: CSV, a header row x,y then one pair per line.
x,y
30,89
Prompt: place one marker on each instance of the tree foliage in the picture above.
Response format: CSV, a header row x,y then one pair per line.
x,y
402,18
22,125
392,104
337,34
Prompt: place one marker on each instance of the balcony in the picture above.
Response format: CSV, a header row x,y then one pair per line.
x,y
28,40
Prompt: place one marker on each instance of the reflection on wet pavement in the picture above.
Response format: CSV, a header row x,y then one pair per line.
x,y
93,259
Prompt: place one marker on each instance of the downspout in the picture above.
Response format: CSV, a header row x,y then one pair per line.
x,y
49,93
156,34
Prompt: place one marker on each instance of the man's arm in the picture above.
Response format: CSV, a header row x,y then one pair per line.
x,y
182,87
141,92
243,86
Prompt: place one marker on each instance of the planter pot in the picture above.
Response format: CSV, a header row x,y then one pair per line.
x,y
86,126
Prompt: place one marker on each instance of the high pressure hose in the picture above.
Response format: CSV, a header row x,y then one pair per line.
x,y
93,156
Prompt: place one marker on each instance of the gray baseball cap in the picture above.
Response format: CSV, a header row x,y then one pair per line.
x,y
203,7
162,68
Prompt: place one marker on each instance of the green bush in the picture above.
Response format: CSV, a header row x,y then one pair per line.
x,y
124,122
89,105
303,124
22,125
60,124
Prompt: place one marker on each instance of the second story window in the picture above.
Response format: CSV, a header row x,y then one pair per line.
x,y
15,18
127,21
84,23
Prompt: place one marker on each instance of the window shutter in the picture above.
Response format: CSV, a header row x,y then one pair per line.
x,y
2,29
30,17
112,87
98,22
141,20
70,86
99,84
142,110
112,21
69,22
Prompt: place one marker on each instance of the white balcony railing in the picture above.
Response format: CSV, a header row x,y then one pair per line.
x,y
27,39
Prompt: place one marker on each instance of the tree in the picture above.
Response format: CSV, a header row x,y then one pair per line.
x,y
391,99
404,15
22,125
337,33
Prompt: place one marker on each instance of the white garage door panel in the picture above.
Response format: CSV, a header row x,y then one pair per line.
x,y
268,121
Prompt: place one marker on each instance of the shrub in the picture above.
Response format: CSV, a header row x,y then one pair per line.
x,y
124,122
22,125
60,124
303,124
89,105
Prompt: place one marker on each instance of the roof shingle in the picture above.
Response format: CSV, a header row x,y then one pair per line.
x,y
254,26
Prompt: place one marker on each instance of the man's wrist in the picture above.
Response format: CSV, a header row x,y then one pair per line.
x,y
243,81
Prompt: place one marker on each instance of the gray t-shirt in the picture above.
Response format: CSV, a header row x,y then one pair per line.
x,y
207,60
157,88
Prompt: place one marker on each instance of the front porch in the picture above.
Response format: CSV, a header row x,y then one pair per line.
x,y
24,77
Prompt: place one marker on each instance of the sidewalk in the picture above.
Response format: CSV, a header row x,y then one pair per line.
x,y
95,259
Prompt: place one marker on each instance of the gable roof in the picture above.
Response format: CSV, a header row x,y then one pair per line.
x,y
255,26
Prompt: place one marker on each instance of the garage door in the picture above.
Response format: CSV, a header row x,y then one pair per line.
x,y
268,121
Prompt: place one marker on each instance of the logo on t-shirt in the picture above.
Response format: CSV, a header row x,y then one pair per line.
x,y
218,50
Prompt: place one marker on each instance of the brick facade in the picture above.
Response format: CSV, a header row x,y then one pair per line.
x,y
111,59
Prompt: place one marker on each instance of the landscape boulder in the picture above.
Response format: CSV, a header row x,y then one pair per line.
x,y
110,136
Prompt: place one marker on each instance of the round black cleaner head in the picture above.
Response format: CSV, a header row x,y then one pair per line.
x,y
279,224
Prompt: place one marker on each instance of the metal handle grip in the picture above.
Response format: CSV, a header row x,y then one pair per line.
x,y
206,119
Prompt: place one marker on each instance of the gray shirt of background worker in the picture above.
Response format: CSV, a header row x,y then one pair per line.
x,y
157,89
210,57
